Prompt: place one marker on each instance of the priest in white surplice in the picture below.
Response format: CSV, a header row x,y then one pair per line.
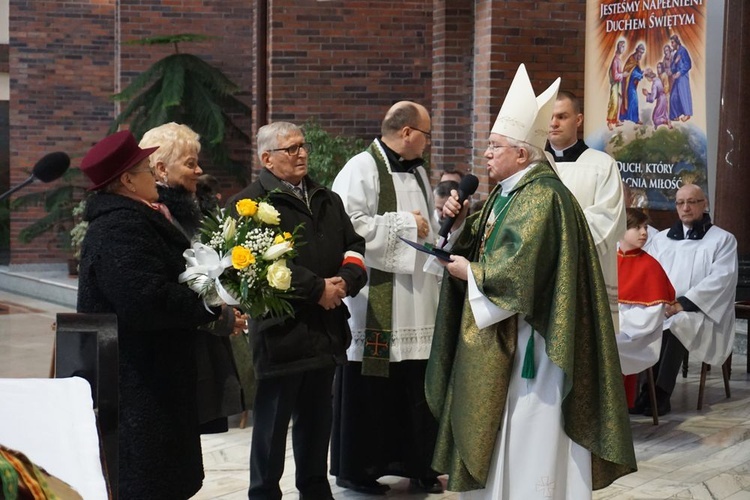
x,y
593,178
524,374
701,262
382,425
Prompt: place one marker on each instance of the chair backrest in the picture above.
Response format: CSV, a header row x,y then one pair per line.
x,y
86,346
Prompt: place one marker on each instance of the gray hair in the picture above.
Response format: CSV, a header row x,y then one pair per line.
x,y
269,135
535,153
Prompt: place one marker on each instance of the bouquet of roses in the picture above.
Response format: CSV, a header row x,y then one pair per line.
x,y
242,261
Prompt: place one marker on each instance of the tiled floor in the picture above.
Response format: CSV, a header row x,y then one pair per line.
x,y
690,455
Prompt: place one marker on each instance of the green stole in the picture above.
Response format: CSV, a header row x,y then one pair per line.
x,y
376,353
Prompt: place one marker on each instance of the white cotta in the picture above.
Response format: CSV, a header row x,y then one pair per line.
x,y
204,265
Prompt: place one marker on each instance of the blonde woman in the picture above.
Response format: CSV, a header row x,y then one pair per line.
x,y
176,168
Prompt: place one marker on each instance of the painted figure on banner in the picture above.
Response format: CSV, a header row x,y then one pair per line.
x,y
615,87
633,75
667,63
681,99
658,97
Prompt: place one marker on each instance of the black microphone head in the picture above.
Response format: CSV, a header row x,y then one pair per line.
x,y
468,186
51,166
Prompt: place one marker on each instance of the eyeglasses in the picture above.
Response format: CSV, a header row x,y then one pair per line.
x,y
495,147
692,203
293,150
426,134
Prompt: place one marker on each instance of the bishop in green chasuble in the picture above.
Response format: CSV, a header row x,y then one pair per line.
x,y
540,261
531,403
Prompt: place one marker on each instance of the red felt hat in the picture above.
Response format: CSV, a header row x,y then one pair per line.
x,y
112,156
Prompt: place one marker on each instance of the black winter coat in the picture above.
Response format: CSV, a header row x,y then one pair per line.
x,y
218,387
314,338
130,261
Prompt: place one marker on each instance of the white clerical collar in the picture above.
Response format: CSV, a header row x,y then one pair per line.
x,y
559,153
510,183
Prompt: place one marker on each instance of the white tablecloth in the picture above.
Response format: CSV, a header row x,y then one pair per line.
x,y
52,422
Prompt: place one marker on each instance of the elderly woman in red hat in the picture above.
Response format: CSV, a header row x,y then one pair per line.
x,y
130,260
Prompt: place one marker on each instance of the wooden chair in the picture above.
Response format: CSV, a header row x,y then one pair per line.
x,y
742,311
725,371
86,346
652,393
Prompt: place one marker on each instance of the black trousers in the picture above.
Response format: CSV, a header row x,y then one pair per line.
x,y
305,399
670,361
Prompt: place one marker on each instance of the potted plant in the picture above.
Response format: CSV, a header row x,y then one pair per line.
x,y
186,89
59,203
329,154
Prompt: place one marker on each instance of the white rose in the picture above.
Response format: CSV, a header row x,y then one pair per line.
x,y
279,276
229,229
277,250
267,214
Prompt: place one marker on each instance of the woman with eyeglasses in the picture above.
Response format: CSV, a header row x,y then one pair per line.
x,y
175,165
130,259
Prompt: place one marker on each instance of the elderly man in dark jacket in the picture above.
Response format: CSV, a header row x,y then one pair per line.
x,y
295,358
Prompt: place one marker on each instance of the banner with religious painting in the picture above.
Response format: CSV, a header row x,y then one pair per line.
x,y
645,93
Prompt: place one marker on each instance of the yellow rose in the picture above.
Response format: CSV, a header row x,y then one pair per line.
x,y
246,207
242,257
267,214
278,239
287,235
279,276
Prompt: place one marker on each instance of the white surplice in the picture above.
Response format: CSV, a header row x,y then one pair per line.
x,y
415,293
639,340
596,184
705,272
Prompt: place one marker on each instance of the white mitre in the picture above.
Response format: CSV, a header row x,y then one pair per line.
x,y
524,116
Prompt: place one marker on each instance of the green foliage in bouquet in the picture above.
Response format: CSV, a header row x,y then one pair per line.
x,y
242,260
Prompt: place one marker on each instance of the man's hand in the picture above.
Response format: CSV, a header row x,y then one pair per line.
x,y
458,267
334,291
423,226
673,309
240,322
453,208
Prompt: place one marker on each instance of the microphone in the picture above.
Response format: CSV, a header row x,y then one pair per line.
x,y
51,167
468,186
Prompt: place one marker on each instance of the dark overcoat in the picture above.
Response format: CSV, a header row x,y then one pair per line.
x,y
314,337
130,261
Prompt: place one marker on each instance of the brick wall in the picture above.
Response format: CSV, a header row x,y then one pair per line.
x,y
343,62
63,72
346,62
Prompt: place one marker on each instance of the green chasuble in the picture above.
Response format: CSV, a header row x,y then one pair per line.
x,y
540,261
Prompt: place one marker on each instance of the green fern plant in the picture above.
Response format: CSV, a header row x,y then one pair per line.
x,y
186,89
